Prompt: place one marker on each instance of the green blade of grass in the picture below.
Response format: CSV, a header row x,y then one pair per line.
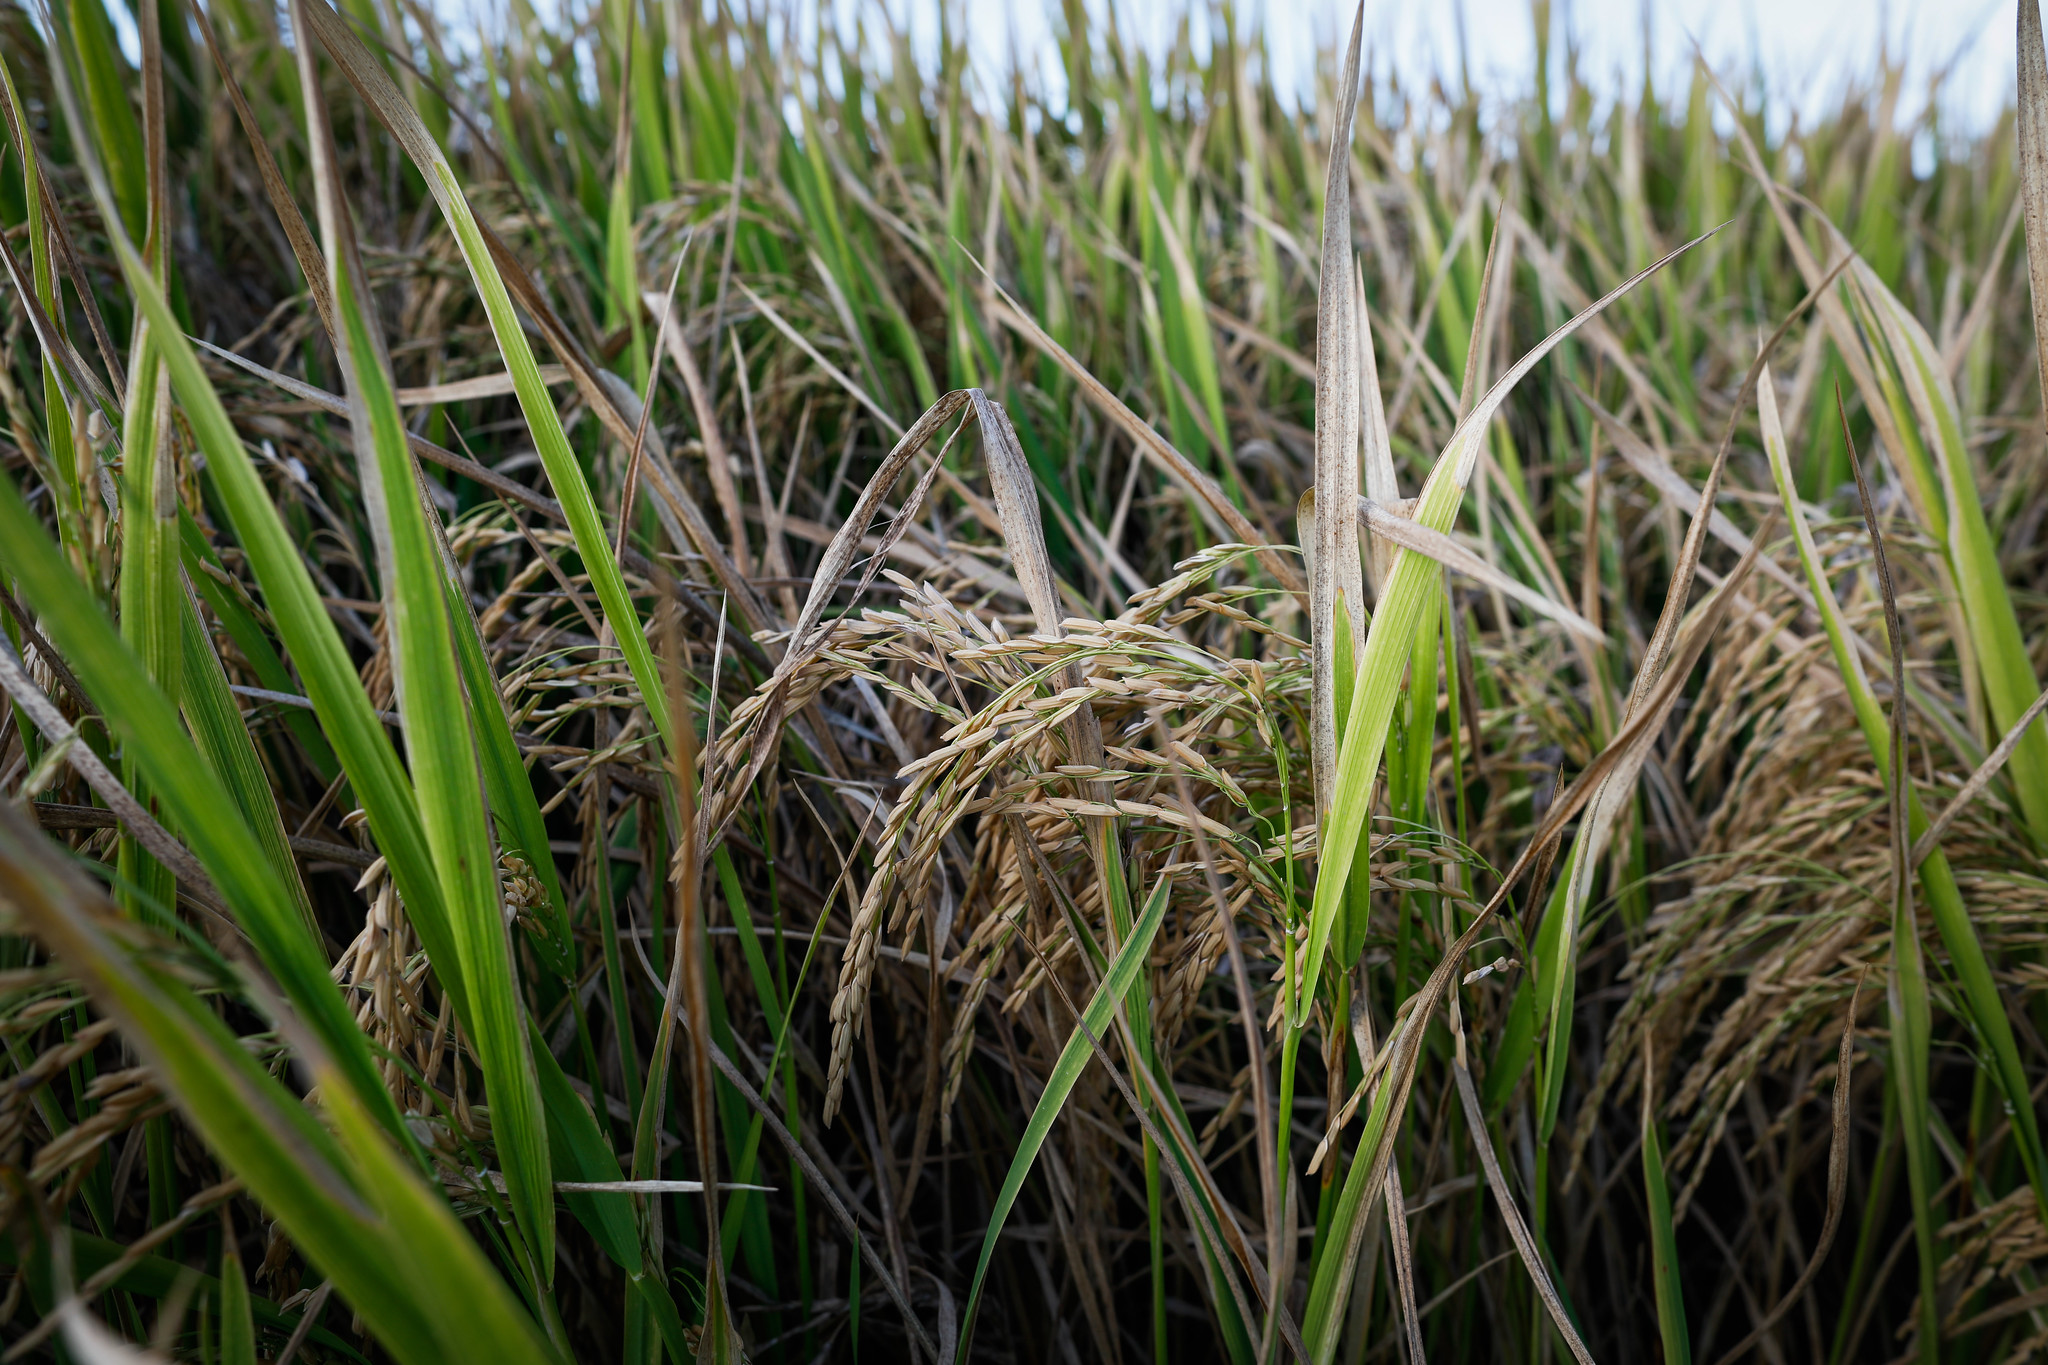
x,y
1518,1034
1116,984
1907,993
564,474
84,28
1937,882
1218,1238
329,678
237,1317
622,307
1192,338
439,732
1383,663
59,468
509,790
1663,1239
520,830
326,673
157,1277
363,1216
222,734
1907,988
191,794
1942,489
580,1154
2010,684
150,592
222,594
1558,971
1330,1286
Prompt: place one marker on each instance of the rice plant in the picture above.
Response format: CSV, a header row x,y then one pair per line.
x,y
681,686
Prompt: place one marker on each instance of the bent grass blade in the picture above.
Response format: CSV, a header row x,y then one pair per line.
x,y
1385,657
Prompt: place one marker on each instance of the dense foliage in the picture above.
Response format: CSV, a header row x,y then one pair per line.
x,y
653,595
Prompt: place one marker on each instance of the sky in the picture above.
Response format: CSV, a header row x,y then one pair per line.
x,y
1808,47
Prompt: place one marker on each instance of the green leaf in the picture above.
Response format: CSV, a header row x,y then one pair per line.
x,y
209,578
83,25
237,1322
440,740
220,730
59,465
189,792
520,829
346,1198
1123,974
150,594
156,1277
579,509
1663,1246
1985,1007
1384,663
1996,640
326,672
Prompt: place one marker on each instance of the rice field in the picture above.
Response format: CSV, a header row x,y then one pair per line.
x,y
685,688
